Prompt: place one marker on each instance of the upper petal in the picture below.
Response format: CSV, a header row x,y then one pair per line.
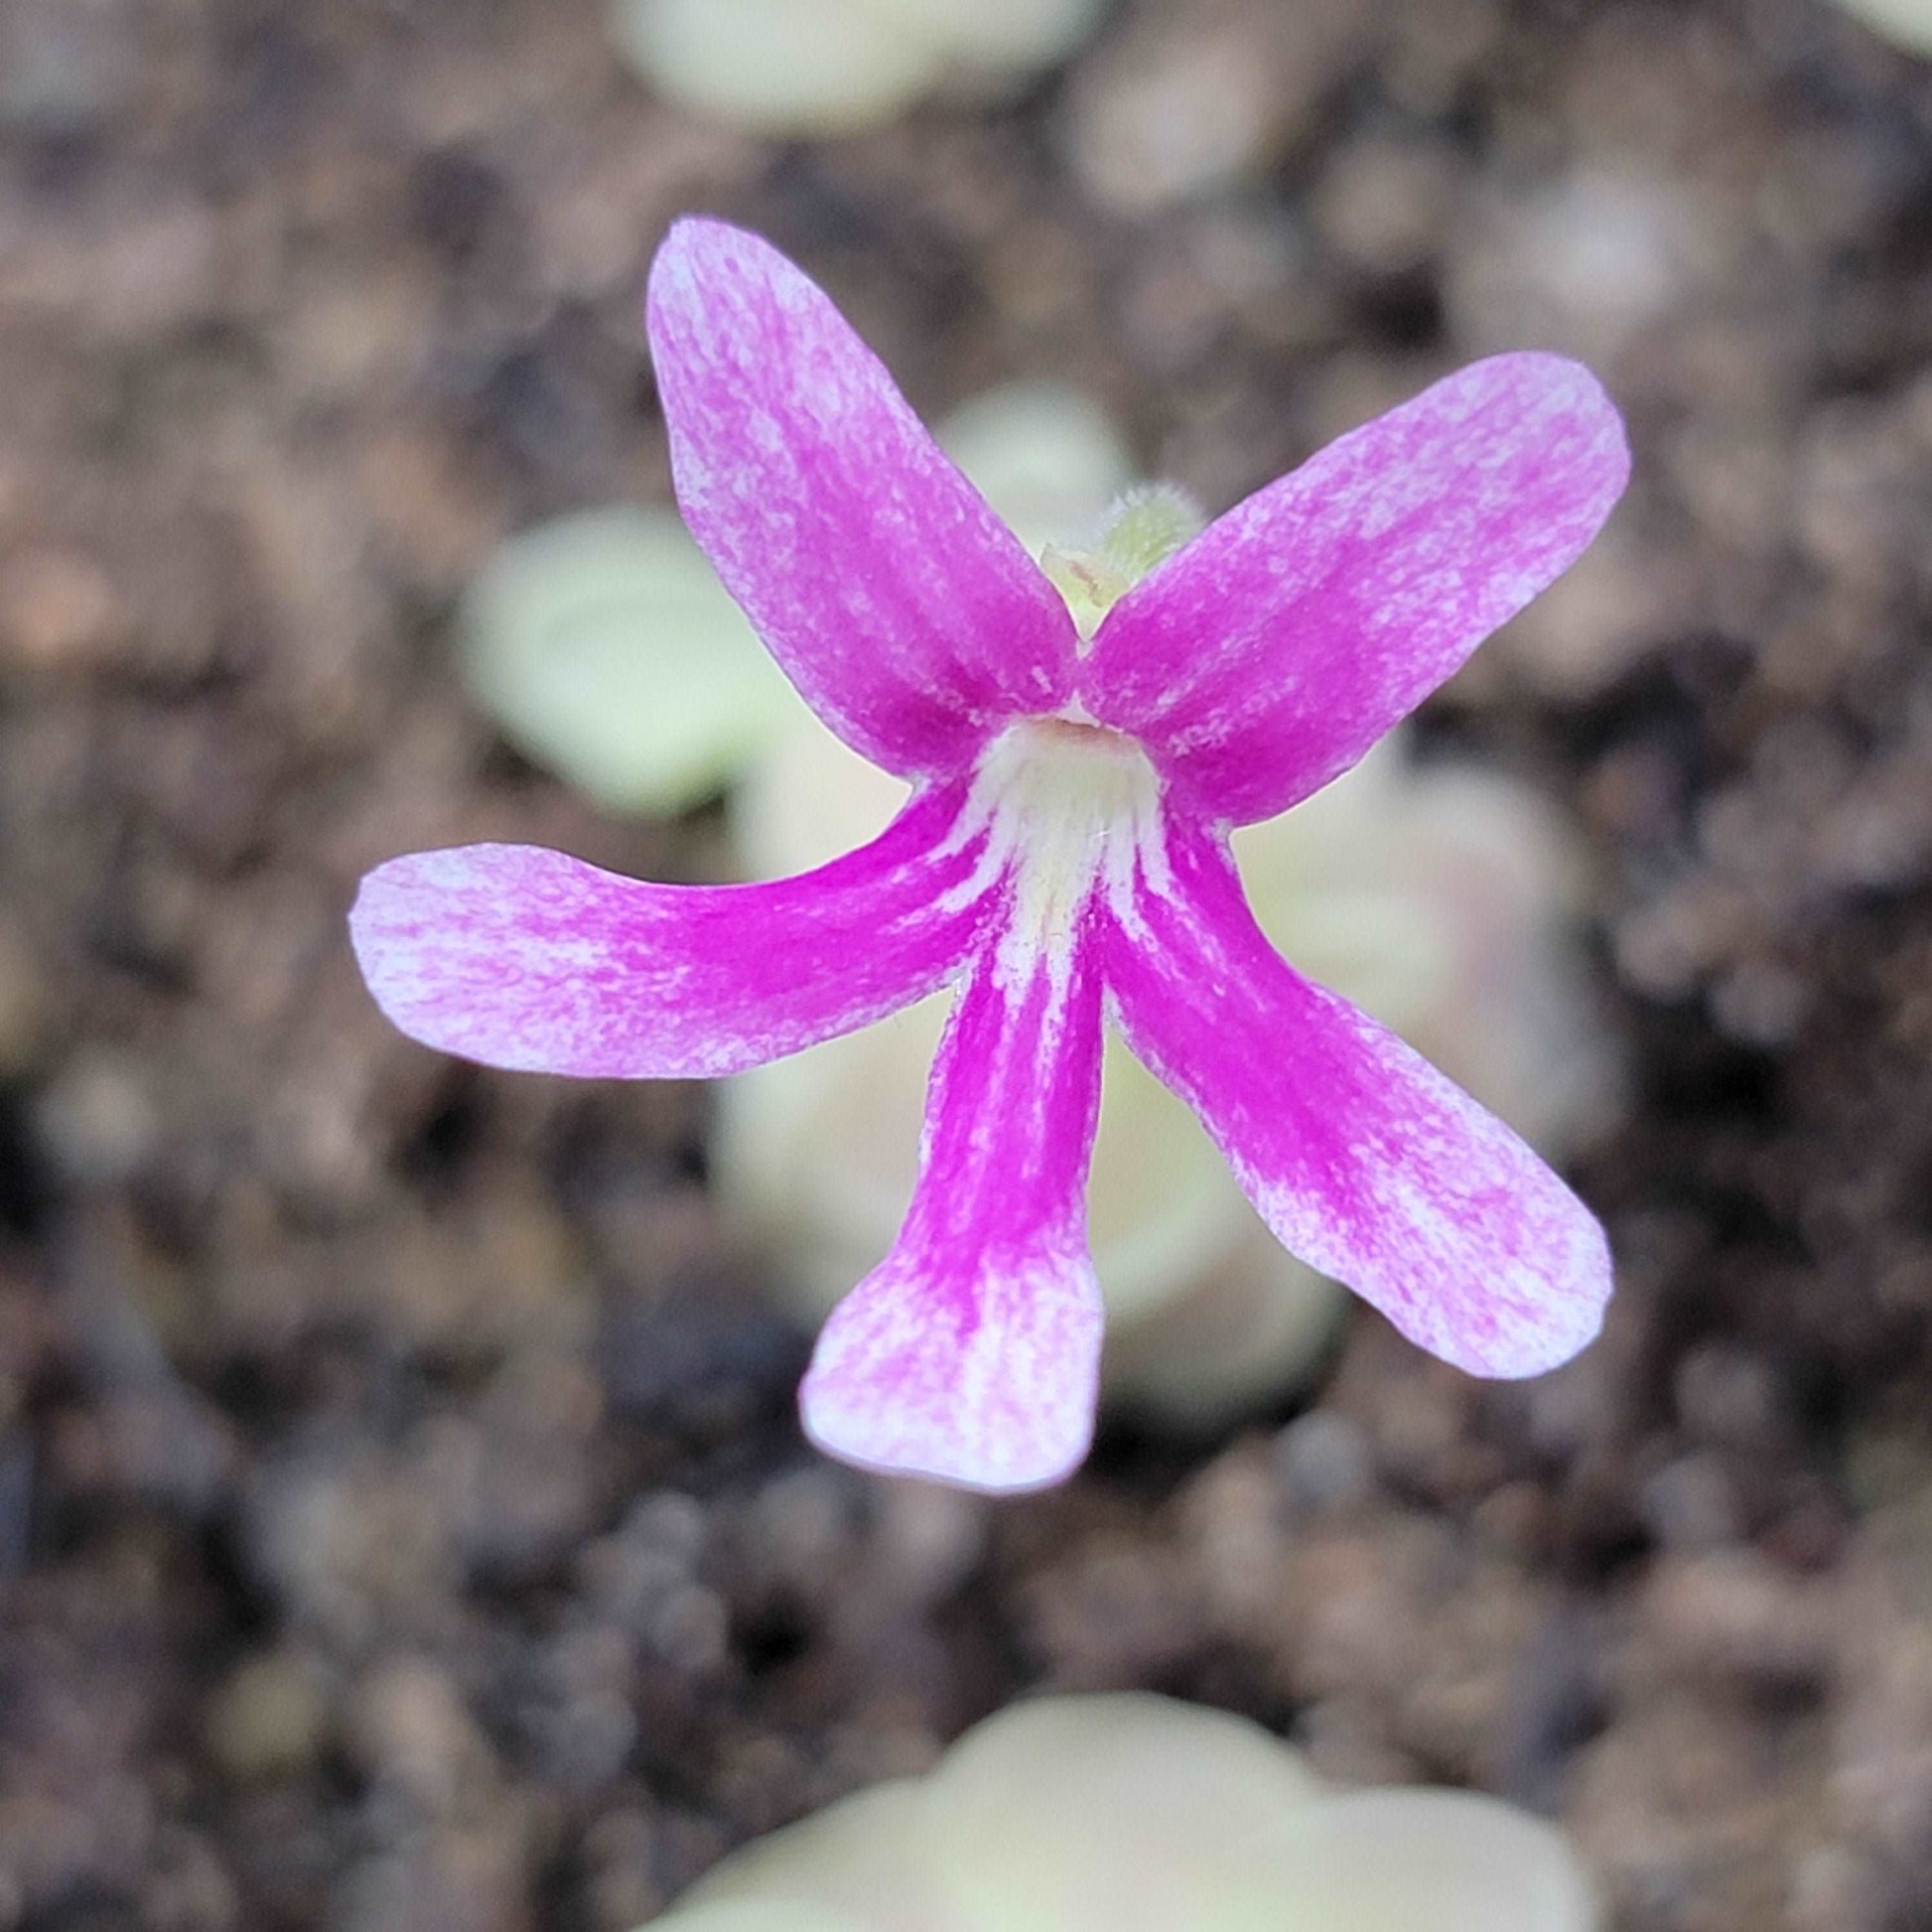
x,y
904,609
524,959
1364,1159
1269,654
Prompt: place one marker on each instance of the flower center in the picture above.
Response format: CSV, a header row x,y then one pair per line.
x,y
1070,807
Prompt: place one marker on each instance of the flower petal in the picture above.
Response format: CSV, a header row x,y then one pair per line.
x,y
972,1353
1271,652
1365,1160
524,959
904,609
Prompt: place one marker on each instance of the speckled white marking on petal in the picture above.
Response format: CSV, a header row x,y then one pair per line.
x,y
1071,811
525,959
904,609
972,1353
1364,1159
1270,654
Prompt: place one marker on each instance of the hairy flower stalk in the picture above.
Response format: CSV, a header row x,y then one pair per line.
x,y
1077,755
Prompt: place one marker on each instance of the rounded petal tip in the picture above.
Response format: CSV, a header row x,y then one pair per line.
x,y
992,1389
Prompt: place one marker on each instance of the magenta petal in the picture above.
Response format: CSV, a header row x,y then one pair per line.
x,y
972,1353
899,605
1364,1159
524,959
1268,655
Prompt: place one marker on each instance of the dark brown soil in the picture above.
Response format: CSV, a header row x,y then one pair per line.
x,y
403,1522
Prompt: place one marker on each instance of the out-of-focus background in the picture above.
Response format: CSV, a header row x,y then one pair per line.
x,y
403,1522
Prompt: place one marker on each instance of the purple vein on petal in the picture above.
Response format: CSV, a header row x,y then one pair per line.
x,y
1364,1159
971,1353
1269,654
907,614
521,957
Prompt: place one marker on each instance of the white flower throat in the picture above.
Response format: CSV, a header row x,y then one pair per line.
x,y
1069,807
1073,808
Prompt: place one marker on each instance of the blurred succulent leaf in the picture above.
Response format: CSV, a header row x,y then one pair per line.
x,y
777,66
1045,455
1135,1813
824,68
840,1862
610,654
1013,35
1905,23
1115,1773
784,1913
1456,1862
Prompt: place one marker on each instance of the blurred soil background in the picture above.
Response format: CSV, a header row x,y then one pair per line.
x,y
403,1522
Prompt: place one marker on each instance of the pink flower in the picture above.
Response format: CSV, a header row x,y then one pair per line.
x,y
1062,861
